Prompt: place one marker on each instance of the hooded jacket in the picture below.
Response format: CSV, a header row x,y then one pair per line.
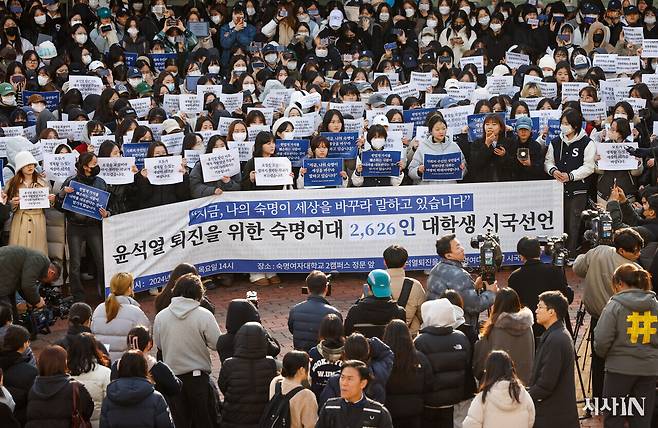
x,y
14,146
134,402
184,331
378,311
18,378
326,360
500,410
449,354
50,402
429,147
245,378
512,333
240,312
114,333
305,318
588,44
620,337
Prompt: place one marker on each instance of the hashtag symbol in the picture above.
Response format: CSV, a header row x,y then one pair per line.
x,y
646,330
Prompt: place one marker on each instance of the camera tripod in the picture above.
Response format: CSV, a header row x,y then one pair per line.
x,y
586,340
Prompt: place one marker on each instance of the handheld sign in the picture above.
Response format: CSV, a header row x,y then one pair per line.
x,y
323,172
442,167
51,97
117,170
378,163
87,85
273,171
164,170
85,200
192,157
220,163
295,150
342,144
614,156
33,198
245,148
137,151
59,167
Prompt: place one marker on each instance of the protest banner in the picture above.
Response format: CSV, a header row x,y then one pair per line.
x,y
254,129
164,170
532,102
394,78
49,145
380,163
158,59
174,142
207,135
628,64
245,149
548,89
499,84
219,164
51,97
273,171
141,106
36,150
331,230
295,150
137,151
117,170
131,58
649,48
304,126
87,85
354,125
171,103
192,157
553,130
277,98
571,90
223,125
85,200
33,198
607,62
310,100
477,60
405,91
322,172
393,142
232,102
2,178
59,167
637,104
516,60
651,81
342,144
615,157
443,167
30,132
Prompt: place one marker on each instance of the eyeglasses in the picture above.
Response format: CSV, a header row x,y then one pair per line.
x,y
542,306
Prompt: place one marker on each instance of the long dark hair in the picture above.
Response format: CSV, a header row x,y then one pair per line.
x,y
499,366
164,298
398,338
506,301
84,354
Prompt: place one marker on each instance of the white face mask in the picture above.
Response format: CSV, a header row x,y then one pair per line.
x,y
425,41
566,129
384,17
620,116
40,20
650,20
213,69
432,23
271,58
134,82
194,73
444,10
81,39
466,9
250,88
409,12
215,19
377,143
505,15
158,9
43,80
304,18
172,39
170,87
251,11
38,108
86,59
292,65
484,21
133,31
521,115
424,7
288,135
496,27
239,136
435,81
321,53
240,70
9,100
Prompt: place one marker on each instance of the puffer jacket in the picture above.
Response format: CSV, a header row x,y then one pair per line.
x,y
19,377
134,402
96,382
326,360
115,332
500,410
245,378
199,188
513,334
373,310
75,218
627,350
56,233
50,402
240,312
405,391
304,321
20,270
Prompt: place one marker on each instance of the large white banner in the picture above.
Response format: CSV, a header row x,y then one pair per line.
x,y
343,230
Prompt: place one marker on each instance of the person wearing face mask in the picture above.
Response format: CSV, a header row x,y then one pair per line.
x,y
597,37
7,99
570,159
588,15
104,34
458,36
80,228
650,28
376,139
199,187
169,36
133,39
496,39
237,33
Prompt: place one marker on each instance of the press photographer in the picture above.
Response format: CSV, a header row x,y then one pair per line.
x,y
624,215
450,274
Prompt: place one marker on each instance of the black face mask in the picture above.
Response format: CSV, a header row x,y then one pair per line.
x,y
12,31
95,171
597,38
457,27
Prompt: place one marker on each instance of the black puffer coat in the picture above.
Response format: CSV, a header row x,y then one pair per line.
x,y
245,378
405,391
50,402
134,402
19,377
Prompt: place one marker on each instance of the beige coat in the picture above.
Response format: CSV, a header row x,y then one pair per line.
x,y
28,227
416,298
303,406
499,409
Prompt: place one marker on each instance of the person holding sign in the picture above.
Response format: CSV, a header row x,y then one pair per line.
x,y
200,187
376,138
264,147
81,228
529,153
28,225
150,195
122,196
319,150
435,144
626,179
491,159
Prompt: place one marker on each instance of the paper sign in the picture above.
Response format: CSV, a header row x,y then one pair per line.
x,y
59,167
117,170
456,117
267,112
499,84
164,170
277,98
442,167
141,106
295,150
380,163
273,171
97,140
432,100
171,103
637,103
548,89
254,130
158,59
593,111
87,85
245,149
650,48
192,157
49,145
634,35
209,89
12,131
223,125
406,91
322,172
220,163
421,80
174,142
68,129
628,64
354,125
232,102
304,126
191,103
417,116
651,81
51,97
615,157
137,151
607,62
516,60
570,90
393,142
478,60
85,200
342,144
407,129
309,100
33,198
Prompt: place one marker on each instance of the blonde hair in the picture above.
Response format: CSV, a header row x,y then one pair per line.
x,y
120,285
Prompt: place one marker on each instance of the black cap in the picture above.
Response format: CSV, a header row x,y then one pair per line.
x,y
127,112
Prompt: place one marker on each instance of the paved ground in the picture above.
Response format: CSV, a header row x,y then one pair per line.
x,y
275,302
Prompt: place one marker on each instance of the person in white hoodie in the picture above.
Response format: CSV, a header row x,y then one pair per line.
x,y
437,143
184,332
502,402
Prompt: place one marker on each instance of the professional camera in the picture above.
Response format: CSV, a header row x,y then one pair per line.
x,y
39,320
491,256
599,227
556,248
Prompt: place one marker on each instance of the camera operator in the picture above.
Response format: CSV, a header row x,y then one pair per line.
x,y
535,277
449,274
624,215
21,270
597,267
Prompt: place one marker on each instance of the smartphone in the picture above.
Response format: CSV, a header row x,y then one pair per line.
x,y
19,78
558,18
283,13
106,28
522,154
103,72
444,59
532,21
542,18
171,22
390,46
564,37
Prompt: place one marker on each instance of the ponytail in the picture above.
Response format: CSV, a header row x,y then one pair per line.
x,y
633,277
120,284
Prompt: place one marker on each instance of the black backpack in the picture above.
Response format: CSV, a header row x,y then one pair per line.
x,y
277,412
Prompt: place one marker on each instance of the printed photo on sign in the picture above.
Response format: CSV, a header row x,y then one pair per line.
x,y
164,170
273,171
85,200
32,198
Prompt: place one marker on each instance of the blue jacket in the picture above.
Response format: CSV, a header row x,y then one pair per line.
x,y
229,39
134,402
304,321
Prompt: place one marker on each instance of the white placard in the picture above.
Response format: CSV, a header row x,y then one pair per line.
x,y
405,91
205,89
223,124
220,163
393,141
478,60
421,80
634,35
354,125
456,117
422,133
651,81
97,140
68,129
48,145
407,129
171,103
607,62
192,157
59,167
615,157
33,198
394,78
164,170
191,103
117,170
432,100
245,149
13,131
174,142
232,102
254,130
628,64
548,89
141,106
273,171
499,84
87,85
570,90
637,104
304,126
516,60
529,78
593,111
531,102
267,112
650,48
277,98
308,101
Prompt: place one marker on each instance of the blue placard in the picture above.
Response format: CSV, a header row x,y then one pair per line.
x,y
417,116
343,144
553,130
85,200
2,178
295,150
535,126
191,82
136,150
323,172
476,125
159,59
131,58
443,167
51,97
380,163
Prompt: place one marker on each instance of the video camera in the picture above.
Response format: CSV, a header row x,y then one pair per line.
x,y
39,320
556,248
599,227
491,256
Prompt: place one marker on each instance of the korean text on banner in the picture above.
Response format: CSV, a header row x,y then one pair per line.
x,y
442,167
380,163
273,171
117,170
342,144
219,164
615,157
322,172
34,197
164,170
85,200
283,231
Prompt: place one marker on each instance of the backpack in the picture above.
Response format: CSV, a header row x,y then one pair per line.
x,y
407,285
277,412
